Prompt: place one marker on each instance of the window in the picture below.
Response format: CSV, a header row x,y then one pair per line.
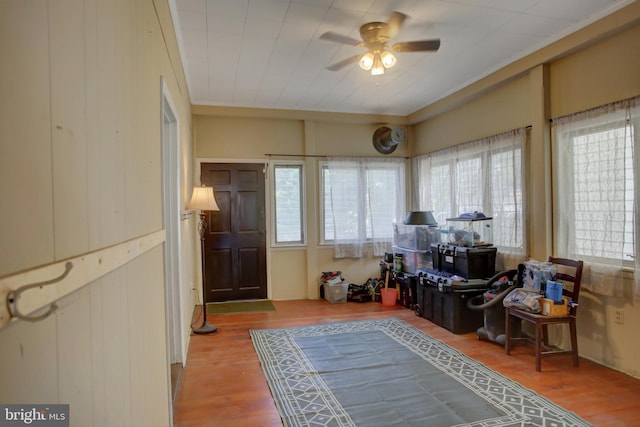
x,y
485,176
603,185
595,196
507,192
595,192
288,184
361,199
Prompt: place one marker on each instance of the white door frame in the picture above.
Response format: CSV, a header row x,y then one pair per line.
x,y
171,220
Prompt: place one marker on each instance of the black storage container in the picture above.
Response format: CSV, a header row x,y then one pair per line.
x,y
470,263
407,284
444,302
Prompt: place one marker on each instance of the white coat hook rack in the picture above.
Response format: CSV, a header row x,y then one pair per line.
x,y
14,296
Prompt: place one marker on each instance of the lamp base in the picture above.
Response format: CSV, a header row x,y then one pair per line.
x,y
205,328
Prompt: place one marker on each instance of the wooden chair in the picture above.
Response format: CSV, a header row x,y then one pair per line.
x,y
570,274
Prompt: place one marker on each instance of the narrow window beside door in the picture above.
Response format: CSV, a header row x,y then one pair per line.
x,y
288,202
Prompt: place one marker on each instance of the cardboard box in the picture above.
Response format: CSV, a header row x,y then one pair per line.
x,y
551,308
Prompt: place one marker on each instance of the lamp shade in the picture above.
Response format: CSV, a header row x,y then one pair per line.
x,y
388,60
377,68
202,199
366,61
420,218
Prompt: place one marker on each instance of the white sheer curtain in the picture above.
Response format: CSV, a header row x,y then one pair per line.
x,y
596,192
367,195
485,175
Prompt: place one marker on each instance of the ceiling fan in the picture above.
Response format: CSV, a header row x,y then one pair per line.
x,y
375,36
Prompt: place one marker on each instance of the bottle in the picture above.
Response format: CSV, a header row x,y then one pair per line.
x,y
397,262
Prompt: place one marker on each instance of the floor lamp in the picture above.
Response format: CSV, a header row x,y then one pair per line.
x,y
203,200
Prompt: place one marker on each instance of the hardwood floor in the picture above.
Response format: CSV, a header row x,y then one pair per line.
x,y
223,385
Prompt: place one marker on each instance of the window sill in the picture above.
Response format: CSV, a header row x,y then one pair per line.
x,y
283,247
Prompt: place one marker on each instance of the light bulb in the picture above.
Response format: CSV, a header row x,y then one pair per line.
x,y
377,68
366,61
388,60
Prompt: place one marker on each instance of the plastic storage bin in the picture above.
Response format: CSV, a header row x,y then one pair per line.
x,y
413,260
470,232
329,277
336,292
449,309
415,237
470,263
406,283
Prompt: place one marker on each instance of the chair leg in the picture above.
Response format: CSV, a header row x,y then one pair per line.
x,y
574,341
538,347
545,335
507,332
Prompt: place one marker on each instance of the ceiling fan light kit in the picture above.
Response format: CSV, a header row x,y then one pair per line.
x,y
377,68
366,61
377,62
375,36
388,59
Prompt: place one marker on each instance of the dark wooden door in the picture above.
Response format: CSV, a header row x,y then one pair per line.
x,y
235,243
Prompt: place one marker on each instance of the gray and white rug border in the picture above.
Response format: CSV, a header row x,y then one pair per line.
x,y
288,371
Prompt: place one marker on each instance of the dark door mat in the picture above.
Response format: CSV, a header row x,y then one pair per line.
x,y
239,307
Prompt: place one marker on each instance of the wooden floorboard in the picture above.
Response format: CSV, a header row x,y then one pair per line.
x,y
222,384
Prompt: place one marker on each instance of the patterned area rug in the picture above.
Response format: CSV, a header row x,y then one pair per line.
x,y
388,373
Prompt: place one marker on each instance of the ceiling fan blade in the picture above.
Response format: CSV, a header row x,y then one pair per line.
x,y
340,65
417,46
333,37
394,23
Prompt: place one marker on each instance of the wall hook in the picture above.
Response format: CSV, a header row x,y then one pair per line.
x,y
14,296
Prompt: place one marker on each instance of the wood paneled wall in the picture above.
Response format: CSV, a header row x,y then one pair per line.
x,y
81,170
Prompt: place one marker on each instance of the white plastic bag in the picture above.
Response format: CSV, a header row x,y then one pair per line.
x,y
536,274
523,299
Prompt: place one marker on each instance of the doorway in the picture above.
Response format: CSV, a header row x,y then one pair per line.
x,y
174,292
235,238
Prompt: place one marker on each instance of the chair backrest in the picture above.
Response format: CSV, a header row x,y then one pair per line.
x,y
572,274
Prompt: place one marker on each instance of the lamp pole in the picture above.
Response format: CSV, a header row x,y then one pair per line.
x,y
203,199
206,327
